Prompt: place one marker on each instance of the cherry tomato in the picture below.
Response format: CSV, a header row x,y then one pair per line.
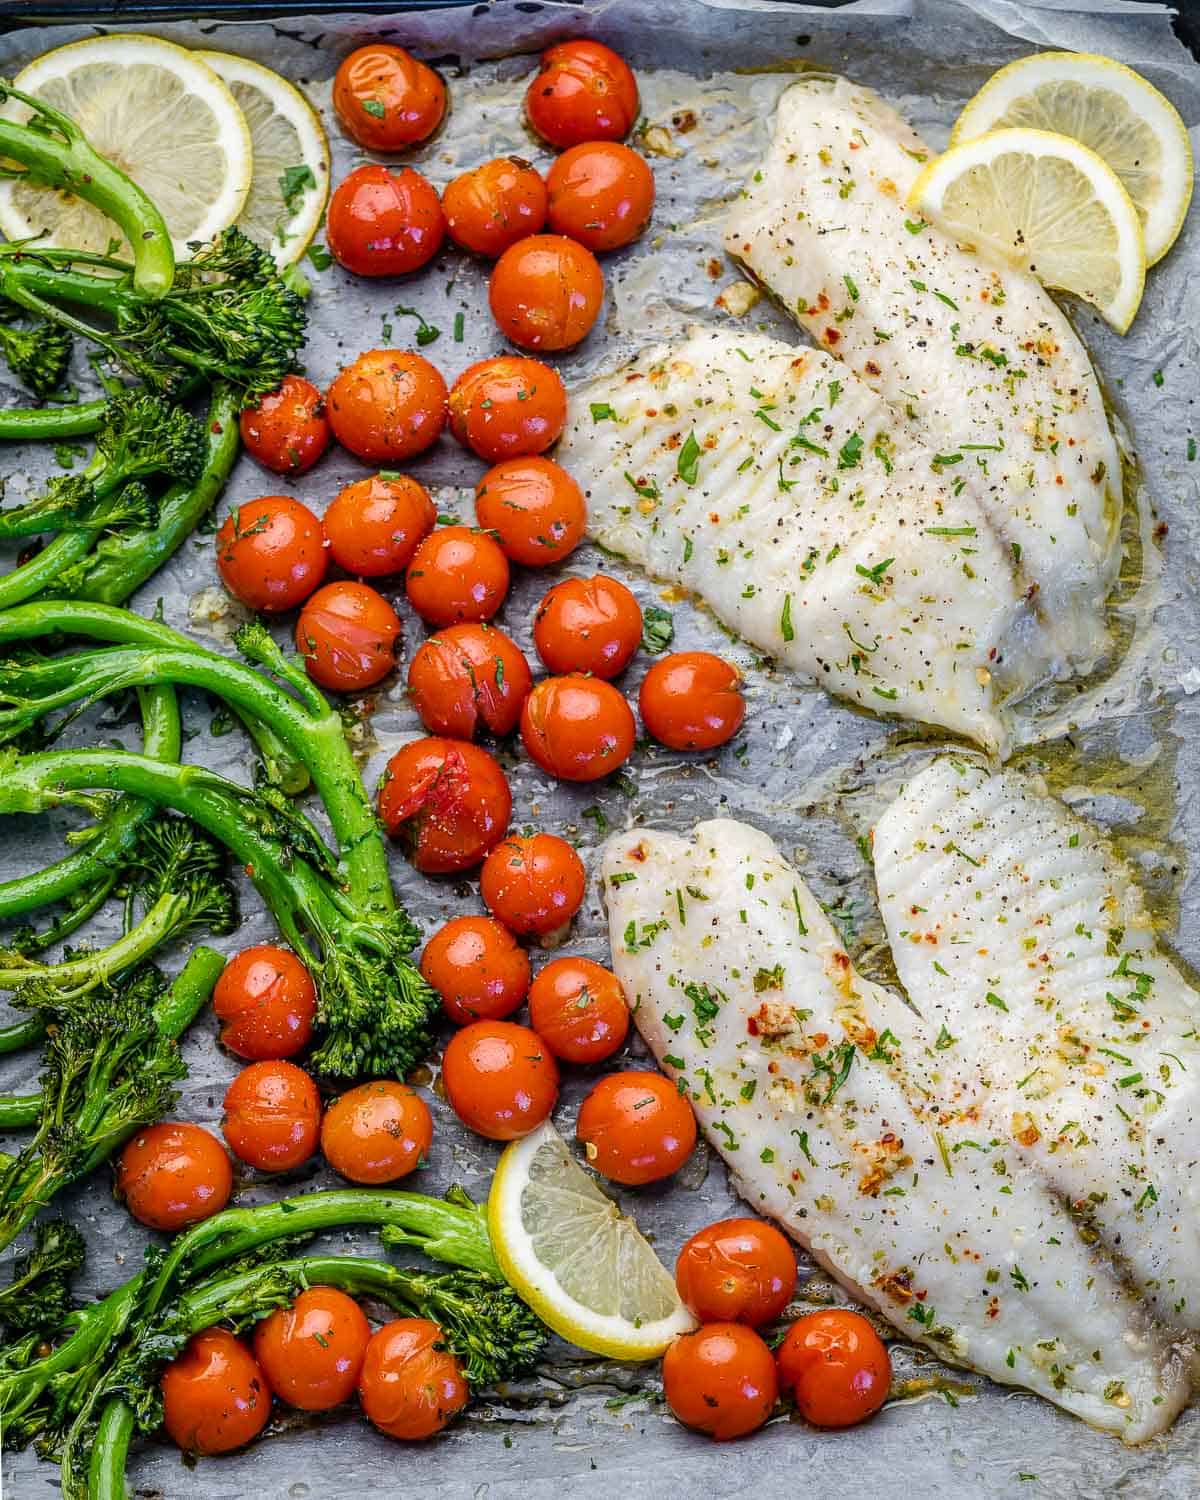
x,y
384,221
636,1127
347,634
508,406
477,968
374,525
411,1385
737,1271
173,1174
534,508
578,1009
457,574
500,1079
589,625
271,553
577,728
467,678
495,205
533,882
378,1132
583,91
312,1352
720,1380
601,194
692,700
387,405
267,1000
386,99
287,430
272,1116
448,800
836,1368
215,1395
545,292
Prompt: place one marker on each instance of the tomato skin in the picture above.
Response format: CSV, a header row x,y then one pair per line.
x,y
577,728
287,430
387,406
500,1079
272,1116
271,553
583,91
736,1271
376,1133
312,1352
467,678
578,1009
533,883
384,221
835,1366
545,292
375,525
409,1387
456,575
347,634
600,193
692,700
407,98
173,1174
268,1001
476,966
508,406
215,1395
448,800
588,625
720,1380
636,1127
534,508
495,205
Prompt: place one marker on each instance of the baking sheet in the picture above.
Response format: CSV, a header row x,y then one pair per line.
x,y
807,770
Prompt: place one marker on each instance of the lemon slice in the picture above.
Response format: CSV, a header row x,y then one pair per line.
x,y
290,185
1108,108
1044,204
580,1263
159,113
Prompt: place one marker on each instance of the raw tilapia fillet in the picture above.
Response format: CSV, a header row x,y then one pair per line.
x,y
979,361
821,1091
786,494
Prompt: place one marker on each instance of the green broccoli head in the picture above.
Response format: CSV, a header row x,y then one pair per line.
x,y
39,356
38,1297
173,857
144,435
484,1323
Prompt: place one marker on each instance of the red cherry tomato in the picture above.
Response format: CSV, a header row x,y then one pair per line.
x,y
577,728
272,1116
271,553
600,193
578,1009
737,1271
508,406
533,507
835,1367
384,221
545,292
387,406
495,205
376,1133
457,574
477,968
312,1352
374,525
287,430
448,800
636,1127
215,1395
174,1174
533,882
347,634
386,99
411,1385
467,678
720,1380
500,1079
692,700
589,625
267,1000
583,91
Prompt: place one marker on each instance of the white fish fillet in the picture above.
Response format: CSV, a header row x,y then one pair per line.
x,y
784,492
980,361
819,1090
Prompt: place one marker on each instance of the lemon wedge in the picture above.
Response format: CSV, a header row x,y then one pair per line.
x,y
1041,203
1110,109
159,113
581,1264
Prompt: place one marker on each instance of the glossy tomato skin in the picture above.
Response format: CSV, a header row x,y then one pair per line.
x,y
578,1009
375,525
411,1385
583,91
533,883
835,1367
469,678
287,430
534,509
589,625
457,574
737,1271
174,1174
577,728
500,1079
545,292
384,221
720,1380
508,406
600,193
448,800
271,553
495,205
215,1395
272,1116
692,700
477,967
312,1352
347,634
387,406
267,1001
636,1127
386,99
378,1132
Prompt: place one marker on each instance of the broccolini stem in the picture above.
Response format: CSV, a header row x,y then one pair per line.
x,y
209,1303
75,976
181,1004
20,1111
31,577
51,424
110,1452
21,1034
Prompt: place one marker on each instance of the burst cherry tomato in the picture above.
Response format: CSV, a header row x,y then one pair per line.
x,y
636,1127
533,882
601,194
508,406
578,1009
583,91
267,1000
692,700
271,553
836,1368
374,525
376,1133
545,292
312,1352
720,1380
387,405
171,1175
500,1079
495,205
386,99
448,800
287,430
411,1385
588,625
737,1271
577,728
477,968
384,221
272,1116
467,678
347,634
457,574
534,508
215,1395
